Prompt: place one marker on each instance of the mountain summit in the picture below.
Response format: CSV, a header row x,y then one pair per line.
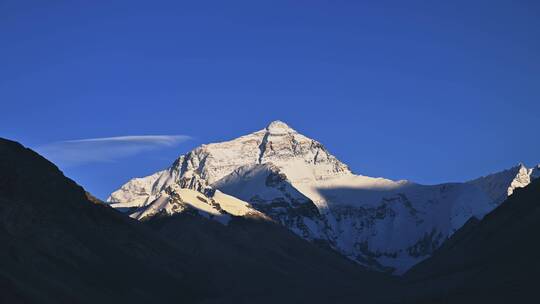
x,y
380,223
298,156
279,127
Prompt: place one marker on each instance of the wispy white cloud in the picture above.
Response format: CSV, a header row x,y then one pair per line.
x,y
106,149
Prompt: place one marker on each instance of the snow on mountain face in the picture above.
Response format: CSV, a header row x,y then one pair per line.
x,y
174,199
267,189
298,156
383,224
301,158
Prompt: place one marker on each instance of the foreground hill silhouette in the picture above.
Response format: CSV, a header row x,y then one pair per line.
x,y
494,260
59,245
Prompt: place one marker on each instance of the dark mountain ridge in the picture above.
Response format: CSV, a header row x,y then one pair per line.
x,y
494,260
60,245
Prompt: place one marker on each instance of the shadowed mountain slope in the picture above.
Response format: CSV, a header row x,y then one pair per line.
x,y
258,261
60,245
490,261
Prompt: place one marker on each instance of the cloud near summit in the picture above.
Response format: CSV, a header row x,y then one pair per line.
x,y
106,149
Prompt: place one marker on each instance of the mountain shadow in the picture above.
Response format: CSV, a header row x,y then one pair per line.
x,y
258,261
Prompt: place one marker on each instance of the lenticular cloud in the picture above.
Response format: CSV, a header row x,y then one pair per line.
x,y
106,149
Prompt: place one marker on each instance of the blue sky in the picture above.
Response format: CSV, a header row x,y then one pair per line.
x,y
419,90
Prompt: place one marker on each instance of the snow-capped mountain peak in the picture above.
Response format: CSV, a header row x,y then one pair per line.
x,y
295,180
302,159
278,127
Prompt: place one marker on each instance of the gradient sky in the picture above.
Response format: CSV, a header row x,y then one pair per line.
x,y
418,90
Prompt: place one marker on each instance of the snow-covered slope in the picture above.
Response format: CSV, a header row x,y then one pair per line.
x,y
174,199
380,223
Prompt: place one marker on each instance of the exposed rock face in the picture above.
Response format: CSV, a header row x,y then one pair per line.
x,y
500,185
384,224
